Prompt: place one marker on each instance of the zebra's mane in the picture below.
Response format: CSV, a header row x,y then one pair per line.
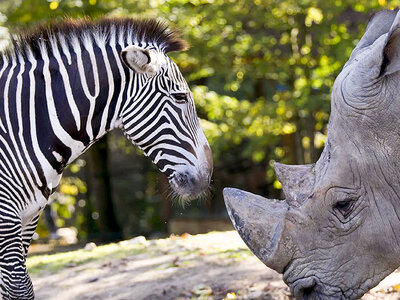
x,y
148,31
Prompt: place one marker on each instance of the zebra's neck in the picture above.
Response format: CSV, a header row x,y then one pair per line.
x,y
59,103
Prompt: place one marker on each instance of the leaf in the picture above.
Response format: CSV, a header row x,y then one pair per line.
x,y
396,287
185,235
230,296
202,290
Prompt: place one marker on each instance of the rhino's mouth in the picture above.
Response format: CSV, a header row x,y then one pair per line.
x,y
311,288
315,288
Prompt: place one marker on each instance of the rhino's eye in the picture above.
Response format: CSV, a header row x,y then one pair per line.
x,y
345,207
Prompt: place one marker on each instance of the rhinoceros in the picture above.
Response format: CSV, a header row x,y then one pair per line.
x,y
337,234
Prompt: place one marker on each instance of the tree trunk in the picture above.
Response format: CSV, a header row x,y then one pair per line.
x,y
165,209
259,88
100,191
290,146
314,154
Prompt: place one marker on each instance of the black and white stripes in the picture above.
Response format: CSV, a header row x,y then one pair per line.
x,y
63,87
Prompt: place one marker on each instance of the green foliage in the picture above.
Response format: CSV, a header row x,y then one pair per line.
x,y
261,73
228,123
68,202
25,13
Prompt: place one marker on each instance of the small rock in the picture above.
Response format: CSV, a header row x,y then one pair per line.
x,y
68,235
106,264
185,295
202,290
170,270
93,279
176,262
255,295
267,288
123,243
70,265
90,246
139,240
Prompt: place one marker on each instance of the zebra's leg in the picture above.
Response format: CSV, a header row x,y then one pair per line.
x,y
16,283
27,233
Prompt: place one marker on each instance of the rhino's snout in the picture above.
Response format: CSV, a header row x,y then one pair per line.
x,y
260,223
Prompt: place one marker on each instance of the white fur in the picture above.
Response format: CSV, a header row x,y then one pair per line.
x,y
137,59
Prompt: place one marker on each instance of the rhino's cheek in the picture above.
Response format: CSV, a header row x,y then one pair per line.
x,y
323,265
313,277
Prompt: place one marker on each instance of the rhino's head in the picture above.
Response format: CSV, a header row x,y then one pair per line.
x,y
337,234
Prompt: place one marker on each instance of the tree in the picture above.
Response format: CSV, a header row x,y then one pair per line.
x,y
261,73
100,192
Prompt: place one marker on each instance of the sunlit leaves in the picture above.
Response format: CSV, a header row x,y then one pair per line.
x,y
53,5
314,15
231,122
21,14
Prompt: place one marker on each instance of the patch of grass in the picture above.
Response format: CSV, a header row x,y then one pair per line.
x,y
52,263
236,254
186,247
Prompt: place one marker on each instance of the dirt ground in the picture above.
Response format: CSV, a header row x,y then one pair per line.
x,y
213,266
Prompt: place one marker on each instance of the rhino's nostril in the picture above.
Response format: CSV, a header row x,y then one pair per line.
x,y
305,290
305,293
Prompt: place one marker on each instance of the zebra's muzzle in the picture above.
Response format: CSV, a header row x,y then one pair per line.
x,y
189,185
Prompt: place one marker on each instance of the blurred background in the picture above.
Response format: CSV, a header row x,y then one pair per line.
x,y
261,72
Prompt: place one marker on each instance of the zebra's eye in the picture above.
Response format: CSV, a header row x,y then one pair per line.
x,y
180,97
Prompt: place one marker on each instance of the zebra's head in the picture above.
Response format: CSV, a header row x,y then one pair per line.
x,y
160,118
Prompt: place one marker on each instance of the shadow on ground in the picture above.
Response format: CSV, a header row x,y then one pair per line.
x,y
215,266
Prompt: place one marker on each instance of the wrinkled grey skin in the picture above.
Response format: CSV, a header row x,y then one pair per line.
x,y
337,234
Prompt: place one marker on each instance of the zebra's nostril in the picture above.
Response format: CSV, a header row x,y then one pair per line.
x,y
192,181
182,179
189,184
187,180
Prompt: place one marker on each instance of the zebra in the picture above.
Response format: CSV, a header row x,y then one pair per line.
x,y
65,85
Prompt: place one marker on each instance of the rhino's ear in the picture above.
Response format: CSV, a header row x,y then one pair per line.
x,y
378,52
144,61
379,24
391,51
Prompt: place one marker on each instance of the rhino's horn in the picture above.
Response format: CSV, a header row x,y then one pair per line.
x,y
260,223
297,181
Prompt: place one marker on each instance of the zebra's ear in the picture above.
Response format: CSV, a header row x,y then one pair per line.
x,y
141,60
